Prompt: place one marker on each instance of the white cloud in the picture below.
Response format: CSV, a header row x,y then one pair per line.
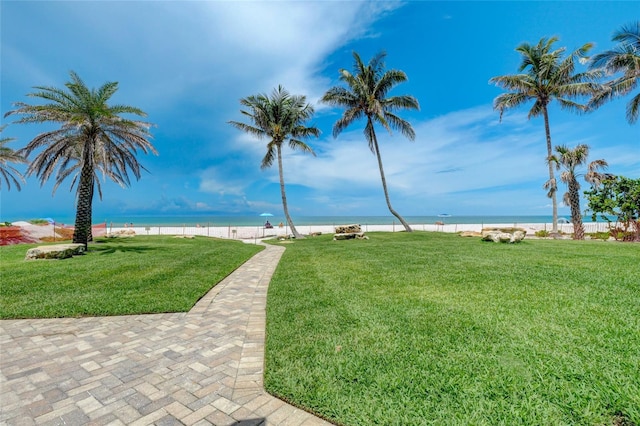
x,y
456,152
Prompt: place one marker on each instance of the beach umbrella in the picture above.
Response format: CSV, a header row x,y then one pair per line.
x,y
444,215
266,214
48,219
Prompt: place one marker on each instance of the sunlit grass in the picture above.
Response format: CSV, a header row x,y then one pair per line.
x,y
428,328
117,277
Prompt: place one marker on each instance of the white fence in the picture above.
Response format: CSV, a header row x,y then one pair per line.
x,y
258,232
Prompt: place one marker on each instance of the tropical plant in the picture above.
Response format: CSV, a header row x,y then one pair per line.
x,y
365,96
93,137
617,196
545,76
8,155
570,159
280,117
623,58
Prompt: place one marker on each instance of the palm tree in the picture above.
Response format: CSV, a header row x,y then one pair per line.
x,y
623,58
280,117
570,160
366,96
545,76
93,137
8,155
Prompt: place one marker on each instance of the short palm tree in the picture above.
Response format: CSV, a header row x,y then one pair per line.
x,y
569,160
8,155
623,58
93,139
365,96
280,117
544,77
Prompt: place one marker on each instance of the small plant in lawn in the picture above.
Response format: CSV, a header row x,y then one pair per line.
x,y
600,235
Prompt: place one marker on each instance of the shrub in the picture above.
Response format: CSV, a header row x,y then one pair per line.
x,y
604,235
542,233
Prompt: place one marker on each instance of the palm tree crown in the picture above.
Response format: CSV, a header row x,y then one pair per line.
x,y
623,58
570,160
280,117
366,96
8,155
93,137
545,76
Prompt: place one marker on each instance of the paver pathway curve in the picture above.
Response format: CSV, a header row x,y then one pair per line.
x,y
197,368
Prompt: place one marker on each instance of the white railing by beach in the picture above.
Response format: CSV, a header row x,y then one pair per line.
x,y
259,232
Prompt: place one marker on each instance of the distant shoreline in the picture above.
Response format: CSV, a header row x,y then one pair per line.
x,y
259,232
256,220
51,231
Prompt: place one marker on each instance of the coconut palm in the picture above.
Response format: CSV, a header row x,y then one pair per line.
x,y
569,160
545,76
623,58
8,155
280,117
365,96
93,139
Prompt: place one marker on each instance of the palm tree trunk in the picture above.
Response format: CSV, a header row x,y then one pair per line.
x,y
384,185
554,198
284,196
574,202
82,229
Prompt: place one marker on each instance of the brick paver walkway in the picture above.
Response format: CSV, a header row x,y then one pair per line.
x,y
197,368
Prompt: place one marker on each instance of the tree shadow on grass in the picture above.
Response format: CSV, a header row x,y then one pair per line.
x,y
103,247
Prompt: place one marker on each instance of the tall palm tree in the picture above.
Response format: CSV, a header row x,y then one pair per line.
x,y
93,137
570,160
623,58
365,96
544,77
8,155
280,117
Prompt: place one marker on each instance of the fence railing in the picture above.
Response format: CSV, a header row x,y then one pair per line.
x,y
258,232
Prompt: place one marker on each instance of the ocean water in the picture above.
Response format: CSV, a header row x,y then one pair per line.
x,y
139,220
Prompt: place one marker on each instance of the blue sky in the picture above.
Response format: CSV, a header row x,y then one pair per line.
x,y
187,64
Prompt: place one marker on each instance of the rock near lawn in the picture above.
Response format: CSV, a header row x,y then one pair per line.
x,y
349,232
348,229
57,251
504,235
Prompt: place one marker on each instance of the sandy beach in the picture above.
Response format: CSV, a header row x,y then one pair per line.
x,y
50,232
259,232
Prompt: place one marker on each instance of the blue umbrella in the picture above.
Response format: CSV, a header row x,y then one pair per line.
x,y
266,214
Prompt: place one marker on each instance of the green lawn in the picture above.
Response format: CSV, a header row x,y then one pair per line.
x,y
117,277
429,328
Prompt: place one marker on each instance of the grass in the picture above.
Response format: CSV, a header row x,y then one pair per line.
x,y
429,328
145,274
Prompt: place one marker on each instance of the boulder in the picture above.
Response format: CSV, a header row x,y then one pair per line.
x,y
348,229
123,233
504,235
57,251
